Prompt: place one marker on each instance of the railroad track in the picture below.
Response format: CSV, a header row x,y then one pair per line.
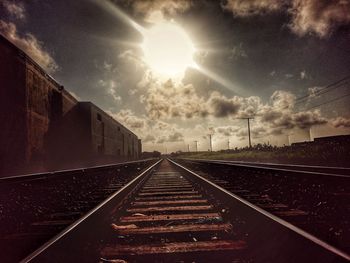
x,y
170,214
312,169
315,201
36,207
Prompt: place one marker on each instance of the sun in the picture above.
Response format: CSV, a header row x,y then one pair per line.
x,y
168,49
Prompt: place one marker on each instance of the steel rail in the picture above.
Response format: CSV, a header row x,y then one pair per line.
x,y
34,176
255,166
276,219
99,207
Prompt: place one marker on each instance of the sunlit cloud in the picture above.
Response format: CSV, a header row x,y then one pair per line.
x,y
29,44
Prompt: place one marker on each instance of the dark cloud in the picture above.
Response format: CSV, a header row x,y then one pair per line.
x,y
221,106
305,120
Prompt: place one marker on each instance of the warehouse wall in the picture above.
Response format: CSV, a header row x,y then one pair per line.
x,y
45,127
110,138
47,104
13,138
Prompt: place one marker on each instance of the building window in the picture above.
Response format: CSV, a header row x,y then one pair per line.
x,y
99,117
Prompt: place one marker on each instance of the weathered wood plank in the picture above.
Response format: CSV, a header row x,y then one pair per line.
x,y
172,202
176,229
169,208
172,197
167,193
178,247
147,218
172,190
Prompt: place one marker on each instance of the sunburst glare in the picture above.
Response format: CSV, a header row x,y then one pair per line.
x,y
168,49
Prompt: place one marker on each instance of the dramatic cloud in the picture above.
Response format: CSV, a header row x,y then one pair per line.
x,y
307,119
220,106
128,118
341,122
169,100
165,100
252,7
282,100
29,44
15,9
318,17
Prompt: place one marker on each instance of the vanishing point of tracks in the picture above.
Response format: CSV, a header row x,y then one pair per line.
x,y
170,214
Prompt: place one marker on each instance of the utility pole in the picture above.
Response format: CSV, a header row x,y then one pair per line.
x,y
248,120
228,144
196,142
288,135
210,144
310,135
188,147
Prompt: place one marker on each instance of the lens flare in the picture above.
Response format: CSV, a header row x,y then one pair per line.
x,y
168,49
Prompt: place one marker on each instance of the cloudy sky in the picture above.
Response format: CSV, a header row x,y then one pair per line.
x,y
285,63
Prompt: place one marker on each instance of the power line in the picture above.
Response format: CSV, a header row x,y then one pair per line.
x,y
321,92
329,86
324,103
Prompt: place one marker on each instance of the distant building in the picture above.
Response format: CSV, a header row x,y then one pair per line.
x,y
44,127
337,139
333,139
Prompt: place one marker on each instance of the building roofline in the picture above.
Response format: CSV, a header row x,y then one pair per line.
x,y
109,116
28,58
59,86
